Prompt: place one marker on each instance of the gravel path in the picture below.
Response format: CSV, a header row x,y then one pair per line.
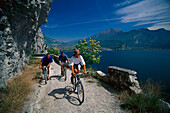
x,y
57,96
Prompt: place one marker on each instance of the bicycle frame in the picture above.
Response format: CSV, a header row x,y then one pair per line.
x,y
79,85
64,70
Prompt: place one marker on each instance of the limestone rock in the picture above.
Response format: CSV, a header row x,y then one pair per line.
x,y
20,32
123,79
102,76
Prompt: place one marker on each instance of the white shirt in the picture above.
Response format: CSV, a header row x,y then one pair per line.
x,y
78,60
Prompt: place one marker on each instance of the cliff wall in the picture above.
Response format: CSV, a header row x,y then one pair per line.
x,y
20,33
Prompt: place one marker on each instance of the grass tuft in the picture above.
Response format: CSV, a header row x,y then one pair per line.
x,y
99,84
12,97
147,101
91,72
91,81
34,61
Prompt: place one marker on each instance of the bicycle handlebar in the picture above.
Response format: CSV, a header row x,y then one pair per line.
x,y
63,64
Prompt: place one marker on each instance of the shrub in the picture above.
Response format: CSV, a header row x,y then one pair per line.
x,y
53,50
89,51
147,101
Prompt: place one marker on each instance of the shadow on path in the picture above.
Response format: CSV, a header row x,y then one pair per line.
x,y
109,88
67,91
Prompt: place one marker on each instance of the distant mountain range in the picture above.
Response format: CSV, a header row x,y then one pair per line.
x,y
57,43
116,39
51,41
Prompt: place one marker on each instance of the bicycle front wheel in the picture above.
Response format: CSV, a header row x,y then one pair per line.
x,y
80,92
74,83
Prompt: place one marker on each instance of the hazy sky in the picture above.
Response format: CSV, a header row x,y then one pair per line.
x,y
74,19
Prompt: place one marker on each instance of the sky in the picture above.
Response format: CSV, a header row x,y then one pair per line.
x,y
77,19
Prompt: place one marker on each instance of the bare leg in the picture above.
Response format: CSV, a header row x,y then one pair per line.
x,y
78,76
48,70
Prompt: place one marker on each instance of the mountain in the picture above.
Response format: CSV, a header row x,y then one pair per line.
x,y
107,34
116,39
58,44
134,39
50,41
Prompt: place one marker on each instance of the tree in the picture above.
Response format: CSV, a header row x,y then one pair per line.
x,y
53,50
89,50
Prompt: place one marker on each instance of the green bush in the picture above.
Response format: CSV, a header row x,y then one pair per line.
x,y
148,101
53,50
31,53
89,51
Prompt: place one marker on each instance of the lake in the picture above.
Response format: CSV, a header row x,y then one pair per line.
x,y
154,64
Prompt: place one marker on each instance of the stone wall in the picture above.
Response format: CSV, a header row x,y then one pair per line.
x,y
121,79
20,32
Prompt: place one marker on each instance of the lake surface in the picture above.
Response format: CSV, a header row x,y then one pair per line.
x,y
154,64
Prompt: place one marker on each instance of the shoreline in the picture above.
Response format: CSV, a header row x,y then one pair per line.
x,y
126,49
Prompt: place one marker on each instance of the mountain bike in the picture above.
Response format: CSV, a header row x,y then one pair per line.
x,y
78,84
45,71
64,70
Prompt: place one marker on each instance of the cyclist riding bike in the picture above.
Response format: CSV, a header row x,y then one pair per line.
x,y
62,60
75,63
46,61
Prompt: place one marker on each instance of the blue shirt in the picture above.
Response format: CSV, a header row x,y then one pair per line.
x,y
63,58
46,60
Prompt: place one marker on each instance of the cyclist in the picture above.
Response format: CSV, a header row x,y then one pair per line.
x,y
63,59
46,61
75,63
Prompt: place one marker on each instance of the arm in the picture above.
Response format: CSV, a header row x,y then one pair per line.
x,y
51,60
48,65
84,64
84,67
40,65
67,59
42,61
71,64
59,62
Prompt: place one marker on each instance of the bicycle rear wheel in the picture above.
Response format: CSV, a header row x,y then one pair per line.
x,y
45,77
65,73
80,92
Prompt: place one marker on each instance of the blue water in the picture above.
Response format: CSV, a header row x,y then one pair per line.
x,y
154,64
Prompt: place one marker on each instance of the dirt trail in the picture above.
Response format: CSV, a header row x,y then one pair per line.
x,y
57,96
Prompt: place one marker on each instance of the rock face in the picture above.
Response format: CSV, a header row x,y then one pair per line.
x,y
20,32
38,45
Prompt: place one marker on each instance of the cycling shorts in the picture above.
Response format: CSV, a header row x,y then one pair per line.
x,y
77,66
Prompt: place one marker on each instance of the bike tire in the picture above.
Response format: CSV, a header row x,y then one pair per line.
x,y
80,92
74,83
65,73
45,78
